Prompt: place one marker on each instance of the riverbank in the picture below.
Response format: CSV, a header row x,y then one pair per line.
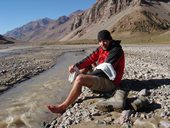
x,y
24,104
22,63
147,67
147,70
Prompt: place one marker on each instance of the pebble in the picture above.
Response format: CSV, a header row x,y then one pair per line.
x,y
146,71
21,65
164,124
150,70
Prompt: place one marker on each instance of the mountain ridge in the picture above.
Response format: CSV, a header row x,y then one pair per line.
x,y
104,14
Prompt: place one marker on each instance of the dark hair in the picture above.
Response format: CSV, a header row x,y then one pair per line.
x,y
104,35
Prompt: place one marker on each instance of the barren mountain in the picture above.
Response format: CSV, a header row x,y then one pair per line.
x,y
6,40
121,17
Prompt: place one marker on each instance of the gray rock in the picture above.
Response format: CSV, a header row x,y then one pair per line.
x,y
164,124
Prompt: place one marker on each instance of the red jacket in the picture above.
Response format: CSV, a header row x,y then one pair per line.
x,y
114,55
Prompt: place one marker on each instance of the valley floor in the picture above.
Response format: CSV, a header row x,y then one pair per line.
x,y
147,67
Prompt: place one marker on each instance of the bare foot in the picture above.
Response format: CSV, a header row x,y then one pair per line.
x,y
56,109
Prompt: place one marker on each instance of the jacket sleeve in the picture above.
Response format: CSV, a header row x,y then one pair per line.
x,y
92,58
114,55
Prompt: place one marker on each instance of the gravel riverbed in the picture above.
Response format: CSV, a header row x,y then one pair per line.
x,y
20,64
147,70
147,73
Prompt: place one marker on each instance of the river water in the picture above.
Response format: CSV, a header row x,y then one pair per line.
x,y
24,106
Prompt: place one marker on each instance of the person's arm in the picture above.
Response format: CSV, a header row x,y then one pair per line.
x,y
114,55
98,72
92,58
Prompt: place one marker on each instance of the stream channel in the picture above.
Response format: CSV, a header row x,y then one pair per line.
x,y
24,106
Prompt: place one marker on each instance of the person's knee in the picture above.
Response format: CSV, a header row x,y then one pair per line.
x,y
80,79
84,80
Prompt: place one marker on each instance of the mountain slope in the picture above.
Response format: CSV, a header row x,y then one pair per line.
x,y
150,12
141,21
118,16
6,40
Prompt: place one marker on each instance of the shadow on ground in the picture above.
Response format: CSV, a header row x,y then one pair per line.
x,y
134,85
137,85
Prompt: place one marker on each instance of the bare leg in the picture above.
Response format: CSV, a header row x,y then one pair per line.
x,y
81,80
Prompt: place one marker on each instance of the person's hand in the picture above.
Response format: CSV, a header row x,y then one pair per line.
x,y
74,72
71,69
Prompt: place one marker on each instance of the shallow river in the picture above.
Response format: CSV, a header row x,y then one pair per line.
x,y
24,106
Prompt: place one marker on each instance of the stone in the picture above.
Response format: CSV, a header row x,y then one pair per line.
x,y
143,92
164,124
125,115
139,103
116,103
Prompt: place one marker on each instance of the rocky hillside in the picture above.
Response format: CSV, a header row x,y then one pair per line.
x,y
6,40
141,21
118,16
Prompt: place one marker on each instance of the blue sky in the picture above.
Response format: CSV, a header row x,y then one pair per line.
x,y
15,13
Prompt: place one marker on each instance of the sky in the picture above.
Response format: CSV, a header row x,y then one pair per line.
x,y
15,13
